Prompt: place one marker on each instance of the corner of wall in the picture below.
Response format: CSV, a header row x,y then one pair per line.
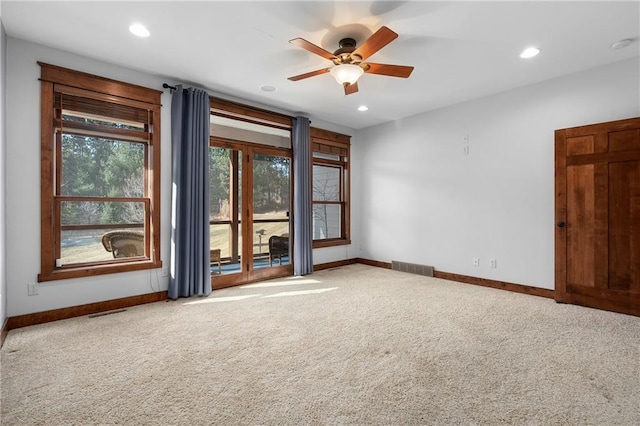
x,y
3,86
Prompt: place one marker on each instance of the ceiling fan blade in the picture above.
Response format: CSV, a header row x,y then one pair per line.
x,y
377,41
401,71
309,74
300,42
351,88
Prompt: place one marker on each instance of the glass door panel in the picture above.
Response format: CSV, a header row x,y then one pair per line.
x,y
225,207
271,205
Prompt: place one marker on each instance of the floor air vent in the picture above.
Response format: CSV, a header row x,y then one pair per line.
x,y
412,268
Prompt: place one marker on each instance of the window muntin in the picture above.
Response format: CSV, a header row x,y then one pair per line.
x,y
99,171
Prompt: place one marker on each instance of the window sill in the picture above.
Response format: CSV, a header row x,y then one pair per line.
x,y
330,243
90,271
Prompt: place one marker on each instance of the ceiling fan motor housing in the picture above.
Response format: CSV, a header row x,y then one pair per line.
x,y
343,54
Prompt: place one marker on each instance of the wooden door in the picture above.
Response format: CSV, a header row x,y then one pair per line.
x,y
597,235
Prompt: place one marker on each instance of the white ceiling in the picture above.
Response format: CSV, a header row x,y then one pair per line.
x,y
460,50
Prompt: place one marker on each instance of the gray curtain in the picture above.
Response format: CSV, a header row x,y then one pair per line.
x,y
190,269
302,212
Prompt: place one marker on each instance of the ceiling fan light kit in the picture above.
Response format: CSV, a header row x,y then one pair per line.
x,y
346,73
349,60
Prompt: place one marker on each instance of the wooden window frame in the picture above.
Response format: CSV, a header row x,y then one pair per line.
x,y
327,142
99,89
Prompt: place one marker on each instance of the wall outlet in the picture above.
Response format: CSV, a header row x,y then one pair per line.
x,y
465,150
493,263
165,271
475,261
32,289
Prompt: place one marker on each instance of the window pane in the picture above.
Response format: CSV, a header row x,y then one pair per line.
x,y
271,187
219,183
271,198
326,183
86,245
97,167
327,221
75,213
220,238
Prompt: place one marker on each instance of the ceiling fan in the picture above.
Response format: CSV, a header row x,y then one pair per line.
x,y
349,60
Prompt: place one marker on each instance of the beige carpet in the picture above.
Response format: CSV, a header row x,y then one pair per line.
x,y
354,345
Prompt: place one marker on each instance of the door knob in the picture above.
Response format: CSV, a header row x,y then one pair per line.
x,y
560,224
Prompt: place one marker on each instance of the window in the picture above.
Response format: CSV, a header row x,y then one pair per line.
x,y
100,162
330,186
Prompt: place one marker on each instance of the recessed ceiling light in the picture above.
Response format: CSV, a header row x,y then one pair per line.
x,y
621,44
268,88
529,52
363,108
139,30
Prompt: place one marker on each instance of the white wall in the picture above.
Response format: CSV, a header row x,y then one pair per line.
x,y
3,202
23,193
421,200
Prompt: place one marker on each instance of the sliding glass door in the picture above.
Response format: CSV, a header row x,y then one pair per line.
x,y
250,201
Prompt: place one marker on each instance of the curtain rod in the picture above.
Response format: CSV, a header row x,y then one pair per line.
x,y
171,88
174,88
